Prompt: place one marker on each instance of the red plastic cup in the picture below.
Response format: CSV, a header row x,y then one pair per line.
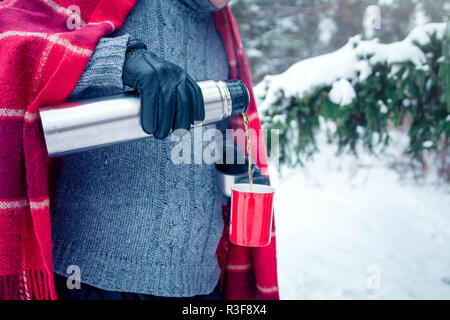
x,y
251,215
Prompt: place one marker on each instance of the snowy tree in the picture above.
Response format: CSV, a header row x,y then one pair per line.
x,y
361,90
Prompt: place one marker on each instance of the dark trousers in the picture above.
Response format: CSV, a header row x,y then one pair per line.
x,y
87,292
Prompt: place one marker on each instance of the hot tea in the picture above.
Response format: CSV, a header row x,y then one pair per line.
x,y
249,149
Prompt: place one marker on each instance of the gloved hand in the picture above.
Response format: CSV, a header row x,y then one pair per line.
x,y
170,98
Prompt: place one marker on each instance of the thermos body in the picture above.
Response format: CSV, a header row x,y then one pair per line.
x,y
72,127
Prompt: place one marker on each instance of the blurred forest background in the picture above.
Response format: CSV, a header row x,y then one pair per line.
x,y
278,33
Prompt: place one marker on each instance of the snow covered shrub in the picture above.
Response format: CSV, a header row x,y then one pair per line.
x,y
361,91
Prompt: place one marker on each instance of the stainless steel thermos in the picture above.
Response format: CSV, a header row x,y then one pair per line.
x,y
72,127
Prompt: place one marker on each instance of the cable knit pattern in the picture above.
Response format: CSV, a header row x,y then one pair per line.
x,y
162,241
104,70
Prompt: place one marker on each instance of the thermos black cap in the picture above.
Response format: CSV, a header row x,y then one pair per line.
x,y
240,98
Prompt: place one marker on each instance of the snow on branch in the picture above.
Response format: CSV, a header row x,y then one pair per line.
x,y
353,62
360,90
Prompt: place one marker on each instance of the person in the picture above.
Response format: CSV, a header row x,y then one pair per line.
x,y
136,225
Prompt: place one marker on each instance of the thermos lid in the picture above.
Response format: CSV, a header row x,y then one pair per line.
x,y
240,98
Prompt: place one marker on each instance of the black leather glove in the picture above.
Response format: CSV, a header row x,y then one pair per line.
x,y
170,98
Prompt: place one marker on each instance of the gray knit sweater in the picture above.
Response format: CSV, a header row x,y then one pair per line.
x,y
132,220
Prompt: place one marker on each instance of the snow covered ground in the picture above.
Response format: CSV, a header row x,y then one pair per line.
x,y
350,229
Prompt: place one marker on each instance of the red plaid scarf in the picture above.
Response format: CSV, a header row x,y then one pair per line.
x,y
42,56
